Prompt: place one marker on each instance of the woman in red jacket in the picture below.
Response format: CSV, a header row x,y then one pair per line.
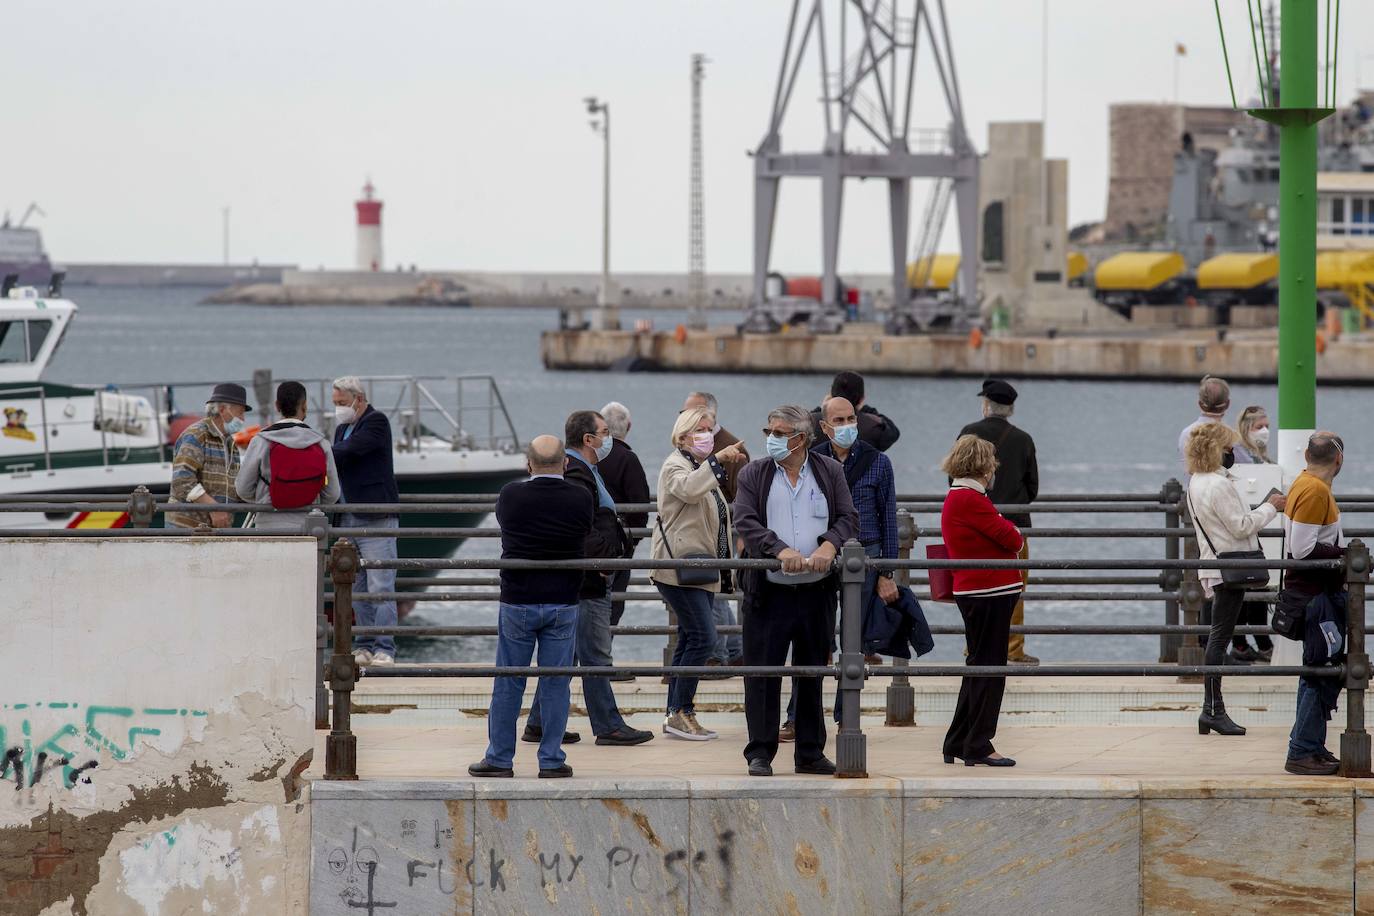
x,y
973,529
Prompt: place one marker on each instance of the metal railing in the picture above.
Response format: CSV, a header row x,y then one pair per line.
x,y
850,669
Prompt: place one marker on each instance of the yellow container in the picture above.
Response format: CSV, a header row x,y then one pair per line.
x,y
1342,268
1076,263
1238,270
922,274
1132,270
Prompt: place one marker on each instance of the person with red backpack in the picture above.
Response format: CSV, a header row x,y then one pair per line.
x,y
288,465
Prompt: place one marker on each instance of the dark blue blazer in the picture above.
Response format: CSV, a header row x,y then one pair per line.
x,y
364,459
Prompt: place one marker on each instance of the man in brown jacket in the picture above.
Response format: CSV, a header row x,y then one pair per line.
x,y
729,649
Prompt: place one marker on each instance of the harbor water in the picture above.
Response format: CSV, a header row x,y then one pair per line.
x,y
1090,436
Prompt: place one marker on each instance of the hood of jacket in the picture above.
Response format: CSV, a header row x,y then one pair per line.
x,y
293,435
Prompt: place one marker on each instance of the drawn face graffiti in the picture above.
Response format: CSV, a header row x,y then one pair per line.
x,y
16,420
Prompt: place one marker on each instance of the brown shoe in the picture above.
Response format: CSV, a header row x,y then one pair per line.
x,y
788,733
873,659
737,662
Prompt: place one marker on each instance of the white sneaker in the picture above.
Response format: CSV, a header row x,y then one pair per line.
x,y
678,725
363,658
381,658
700,729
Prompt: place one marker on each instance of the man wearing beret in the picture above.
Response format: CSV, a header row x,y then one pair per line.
x,y
1017,482
206,461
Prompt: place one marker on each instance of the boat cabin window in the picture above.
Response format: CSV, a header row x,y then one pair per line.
x,y
20,341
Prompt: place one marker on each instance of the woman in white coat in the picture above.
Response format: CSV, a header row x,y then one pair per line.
x,y
1224,524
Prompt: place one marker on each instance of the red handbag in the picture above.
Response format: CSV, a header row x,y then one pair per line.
x,y
941,580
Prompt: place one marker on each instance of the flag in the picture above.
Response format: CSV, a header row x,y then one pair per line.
x,y
1181,50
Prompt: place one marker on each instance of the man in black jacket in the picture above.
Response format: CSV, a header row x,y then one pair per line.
x,y
874,428
543,518
1017,482
362,454
587,440
794,506
627,483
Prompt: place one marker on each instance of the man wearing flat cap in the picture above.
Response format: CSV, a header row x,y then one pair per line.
x,y
1017,481
206,461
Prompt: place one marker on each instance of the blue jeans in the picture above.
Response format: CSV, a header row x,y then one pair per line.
x,y
729,646
592,647
520,628
374,613
696,635
1309,723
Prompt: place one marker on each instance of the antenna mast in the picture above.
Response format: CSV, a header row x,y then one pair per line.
x,y
696,245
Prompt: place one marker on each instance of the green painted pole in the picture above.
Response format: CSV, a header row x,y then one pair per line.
x,y
1297,230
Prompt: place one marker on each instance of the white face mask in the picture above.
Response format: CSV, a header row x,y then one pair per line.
x,y
343,415
1260,435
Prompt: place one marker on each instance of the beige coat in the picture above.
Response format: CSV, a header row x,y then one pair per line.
x,y
689,514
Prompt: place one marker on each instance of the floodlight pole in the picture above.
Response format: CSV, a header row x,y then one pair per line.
x,y
1297,116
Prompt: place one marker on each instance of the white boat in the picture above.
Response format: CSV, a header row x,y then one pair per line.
x,y
91,439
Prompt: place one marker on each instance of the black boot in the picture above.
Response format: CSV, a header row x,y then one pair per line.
x,y
1214,717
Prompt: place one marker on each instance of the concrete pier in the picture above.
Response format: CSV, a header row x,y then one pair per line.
x,y
1161,355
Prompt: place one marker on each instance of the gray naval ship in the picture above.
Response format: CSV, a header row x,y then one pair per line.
x,y
21,251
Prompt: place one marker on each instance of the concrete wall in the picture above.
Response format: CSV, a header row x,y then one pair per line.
x,y
884,846
156,709
1176,356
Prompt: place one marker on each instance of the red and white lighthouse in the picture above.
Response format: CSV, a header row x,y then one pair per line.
x,y
369,230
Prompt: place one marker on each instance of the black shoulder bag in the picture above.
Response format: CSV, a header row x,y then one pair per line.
x,y
1242,576
697,576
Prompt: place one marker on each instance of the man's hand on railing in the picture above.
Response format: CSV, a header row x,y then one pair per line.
x,y
823,558
792,561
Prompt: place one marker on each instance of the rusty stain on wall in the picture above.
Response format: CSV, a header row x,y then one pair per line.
x,y
57,854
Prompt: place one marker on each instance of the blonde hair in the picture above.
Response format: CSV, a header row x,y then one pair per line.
x,y
970,457
687,421
1205,446
1244,425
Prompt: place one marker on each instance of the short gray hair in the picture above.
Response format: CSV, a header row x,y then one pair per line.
x,y
795,416
351,384
617,417
212,408
995,409
711,403
1213,394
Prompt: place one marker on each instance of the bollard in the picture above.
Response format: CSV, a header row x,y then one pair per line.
x,y
1355,746
1171,495
141,508
341,745
901,696
851,751
316,525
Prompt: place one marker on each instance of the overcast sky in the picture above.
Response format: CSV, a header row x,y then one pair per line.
x,y
133,124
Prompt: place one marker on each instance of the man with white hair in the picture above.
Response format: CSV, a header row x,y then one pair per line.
x,y
1213,400
362,453
624,477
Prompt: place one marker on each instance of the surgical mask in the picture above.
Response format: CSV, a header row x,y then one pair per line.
x,y
702,443
234,425
604,449
1228,458
1260,435
345,415
776,447
845,436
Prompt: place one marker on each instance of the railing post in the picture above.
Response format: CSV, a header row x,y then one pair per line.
x,y
851,747
1190,652
1169,580
341,745
316,525
1355,745
141,508
901,696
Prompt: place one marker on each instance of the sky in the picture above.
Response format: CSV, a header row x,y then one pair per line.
x,y
133,125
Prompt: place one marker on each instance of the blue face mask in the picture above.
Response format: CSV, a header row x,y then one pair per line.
x,y
604,449
234,425
846,436
777,447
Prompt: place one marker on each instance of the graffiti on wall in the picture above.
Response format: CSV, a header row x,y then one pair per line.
x,y
61,743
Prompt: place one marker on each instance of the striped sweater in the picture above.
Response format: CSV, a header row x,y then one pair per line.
x,y
204,456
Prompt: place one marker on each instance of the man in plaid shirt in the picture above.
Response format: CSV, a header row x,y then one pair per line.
x,y
869,475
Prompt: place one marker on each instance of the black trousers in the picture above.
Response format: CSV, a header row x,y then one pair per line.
x,y
779,618
1226,605
620,581
1253,613
987,624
